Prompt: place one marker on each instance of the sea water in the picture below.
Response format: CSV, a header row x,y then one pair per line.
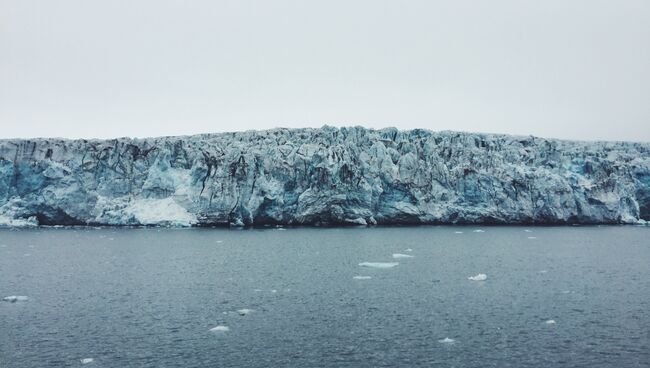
x,y
115,297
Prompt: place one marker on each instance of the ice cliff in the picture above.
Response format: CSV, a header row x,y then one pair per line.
x,y
325,176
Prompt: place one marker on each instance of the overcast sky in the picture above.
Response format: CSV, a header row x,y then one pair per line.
x,y
554,68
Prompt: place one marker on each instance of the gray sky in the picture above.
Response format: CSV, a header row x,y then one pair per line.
x,y
554,68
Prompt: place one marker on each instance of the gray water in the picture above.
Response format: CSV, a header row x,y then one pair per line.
x,y
148,297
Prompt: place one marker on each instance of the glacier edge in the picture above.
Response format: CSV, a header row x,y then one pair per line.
x,y
324,176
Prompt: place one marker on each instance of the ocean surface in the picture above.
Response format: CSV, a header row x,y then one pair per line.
x,y
553,297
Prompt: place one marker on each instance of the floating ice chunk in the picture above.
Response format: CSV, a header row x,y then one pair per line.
x,y
220,328
458,232
532,237
274,291
408,250
479,231
87,360
280,228
550,322
527,231
378,264
219,241
400,255
362,277
244,311
479,277
446,340
14,298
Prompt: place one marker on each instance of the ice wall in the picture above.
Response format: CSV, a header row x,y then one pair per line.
x,y
325,176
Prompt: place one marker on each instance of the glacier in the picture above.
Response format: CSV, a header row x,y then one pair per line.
x,y
324,177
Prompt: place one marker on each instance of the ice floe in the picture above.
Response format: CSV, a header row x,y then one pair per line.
x,y
550,322
244,311
86,360
532,237
458,232
479,231
408,250
14,298
479,277
527,231
220,328
401,255
378,264
446,340
362,277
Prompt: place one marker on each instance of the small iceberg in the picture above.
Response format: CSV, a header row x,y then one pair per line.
x,y
446,340
220,328
408,250
219,241
528,231
86,360
244,311
479,231
532,237
550,322
280,228
479,277
458,232
400,255
378,264
14,298
362,277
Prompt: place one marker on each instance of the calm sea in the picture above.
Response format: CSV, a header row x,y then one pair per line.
x,y
553,297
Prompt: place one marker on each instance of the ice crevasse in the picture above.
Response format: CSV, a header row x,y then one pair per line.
x,y
325,176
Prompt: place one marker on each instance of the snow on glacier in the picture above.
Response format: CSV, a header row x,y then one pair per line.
x,y
150,211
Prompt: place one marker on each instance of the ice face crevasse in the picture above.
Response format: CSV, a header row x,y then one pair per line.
x,y
325,176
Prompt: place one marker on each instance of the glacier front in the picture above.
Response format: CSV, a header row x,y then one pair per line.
x,y
326,176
